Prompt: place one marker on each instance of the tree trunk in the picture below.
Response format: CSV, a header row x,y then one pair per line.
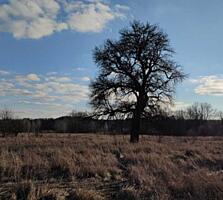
x,y
134,137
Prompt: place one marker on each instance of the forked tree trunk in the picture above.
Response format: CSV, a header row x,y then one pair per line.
x,y
134,136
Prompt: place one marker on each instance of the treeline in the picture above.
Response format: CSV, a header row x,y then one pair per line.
x,y
198,119
159,126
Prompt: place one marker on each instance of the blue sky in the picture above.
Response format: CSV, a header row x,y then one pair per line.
x,y
46,49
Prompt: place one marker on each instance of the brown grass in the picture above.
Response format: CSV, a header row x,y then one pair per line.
x,y
103,167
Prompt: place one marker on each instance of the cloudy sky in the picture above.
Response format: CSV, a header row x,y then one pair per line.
x,y
46,49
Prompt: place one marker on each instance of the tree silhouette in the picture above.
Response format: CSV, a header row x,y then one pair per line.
x,y
201,111
136,74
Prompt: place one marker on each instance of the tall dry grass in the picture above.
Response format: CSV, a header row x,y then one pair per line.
x,y
155,168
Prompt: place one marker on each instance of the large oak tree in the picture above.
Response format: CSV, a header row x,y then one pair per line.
x,y
136,74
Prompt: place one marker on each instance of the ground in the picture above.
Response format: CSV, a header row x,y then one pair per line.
x,y
95,167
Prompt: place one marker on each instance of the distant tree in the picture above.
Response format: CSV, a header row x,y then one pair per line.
x,y
219,115
37,126
27,125
136,74
61,125
201,111
9,125
180,114
6,114
80,114
193,112
207,111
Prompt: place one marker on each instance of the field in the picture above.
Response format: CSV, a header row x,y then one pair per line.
x,y
95,167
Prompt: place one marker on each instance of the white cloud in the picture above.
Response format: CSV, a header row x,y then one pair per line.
x,y
64,91
8,88
180,105
80,69
42,95
58,78
30,18
5,87
47,89
209,85
91,16
42,110
85,78
4,73
22,79
38,18
33,77
121,7
51,73
39,103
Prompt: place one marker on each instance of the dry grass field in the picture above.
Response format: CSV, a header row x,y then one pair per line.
x,y
95,167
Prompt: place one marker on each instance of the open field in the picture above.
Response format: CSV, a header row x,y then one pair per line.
x,y
90,167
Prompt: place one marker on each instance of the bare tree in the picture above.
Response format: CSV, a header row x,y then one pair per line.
x,y
136,74
207,111
180,114
219,115
8,123
193,112
201,111
6,114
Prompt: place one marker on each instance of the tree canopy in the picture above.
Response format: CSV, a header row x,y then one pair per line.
x,y
137,74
